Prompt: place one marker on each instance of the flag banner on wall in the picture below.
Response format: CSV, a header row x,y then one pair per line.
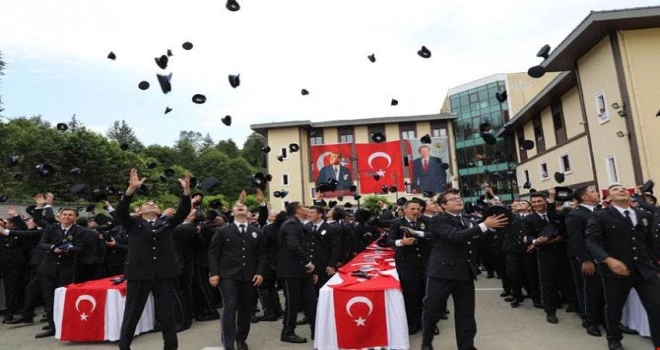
x,y
428,164
380,165
333,162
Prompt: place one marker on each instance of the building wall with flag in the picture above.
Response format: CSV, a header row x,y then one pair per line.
x,y
301,169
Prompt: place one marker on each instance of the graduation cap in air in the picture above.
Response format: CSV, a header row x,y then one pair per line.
x,y
501,96
112,56
394,102
536,71
322,188
193,182
378,137
215,204
424,52
162,178
265,149
11,161
226,120
372,58
75,171
142,190
393,189
143,85
384,189
199,98
62,127
30,209
527,185
444,166
167,110
544,52
90,207
495,210
234,80
332,184
187,45
304,92
209,183
101,219
280,158
280,194
123,146
340,198
162,61
647,187
45,169
563,194
357,197
527,145
377,177
164,82
426,139
293,148
268,177
487,134
259,180
4,198
151,165
348,205
428,194
169,53
401,201
559,177
78,188
232,5
169,172
352,188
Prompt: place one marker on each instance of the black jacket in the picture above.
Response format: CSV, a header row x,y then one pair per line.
x,y
236,256
413,256
535,226
271,233
151,253
62,264
202,243
514,235
90,252
325,245
453,248
294,243
116,256
184,236
576,225
609,234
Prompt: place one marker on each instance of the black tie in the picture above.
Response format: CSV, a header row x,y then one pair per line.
x,y
412,224
314,228
242,226
545,218
628,218
460,219
151,222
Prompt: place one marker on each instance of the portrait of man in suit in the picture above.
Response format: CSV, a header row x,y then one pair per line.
x,y
335,170
428,174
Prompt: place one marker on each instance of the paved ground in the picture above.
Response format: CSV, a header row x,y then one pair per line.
x,y
500,328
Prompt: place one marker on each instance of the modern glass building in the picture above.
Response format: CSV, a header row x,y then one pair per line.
x,y
475,104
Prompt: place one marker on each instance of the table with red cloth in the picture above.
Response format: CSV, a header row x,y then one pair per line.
x,y
358,313
93,311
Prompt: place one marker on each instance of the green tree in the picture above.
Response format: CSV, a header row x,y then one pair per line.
x,y
207,142
2,67
252,152
228,147
371,203
121,132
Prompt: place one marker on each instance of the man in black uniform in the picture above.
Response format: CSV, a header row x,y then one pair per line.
x,y
237,258
296,268
620,239
451,269
270,299
325,245
411,258
151,265
588,287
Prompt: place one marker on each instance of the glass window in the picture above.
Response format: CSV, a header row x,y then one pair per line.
x,y
285,179
558,122
316,136
565,164
601,108
407,131
544,171
538,134
284,154
374,128
345,134
612,171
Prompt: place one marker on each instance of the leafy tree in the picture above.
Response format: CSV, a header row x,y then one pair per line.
x,y
371,203
121,132
2,67
207,142
252,152
228,147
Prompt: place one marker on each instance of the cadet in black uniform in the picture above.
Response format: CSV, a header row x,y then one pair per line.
x,y
325,245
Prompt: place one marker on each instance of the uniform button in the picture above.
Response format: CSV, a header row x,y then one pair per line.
x,y
59,257
58,263
468,260
243,241
419,255
243,264
634,258
154,248
311,256
154,258
634,248
469,242
470,252
154,238
633,238
243,248
243,256
153,230
312,250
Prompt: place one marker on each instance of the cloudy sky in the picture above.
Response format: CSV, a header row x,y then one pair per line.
x,y
56,57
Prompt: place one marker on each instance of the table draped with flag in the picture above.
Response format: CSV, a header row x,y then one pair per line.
x,y
358,313
634,315
93,311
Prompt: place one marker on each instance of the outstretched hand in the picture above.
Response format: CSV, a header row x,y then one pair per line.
x,y
241,197
185,183
260,196
134,181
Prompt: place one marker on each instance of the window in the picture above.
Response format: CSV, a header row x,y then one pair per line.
x,y
558,122
565,164
345,134
612,170
285,179
521,138
544,171
284,154
407,131
438,128
527,177
374,129
315,137
601,108
313,192
538,134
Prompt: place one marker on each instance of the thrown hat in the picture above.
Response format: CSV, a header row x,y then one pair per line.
x,y
394,102
199,98
304,92
235,80
501,96
428,194
11,161
78,188
378,137
377,177
62,127
169,53
322,188
215,204
527,185
426,139
544,52
193,182
268,177
293,147
112,56
559,177
357,197
372,58
536,71
383,188
340,198
4,198
280,158
164,82
143,85
563,194
280,194
75,171
162,61
169,172
332,204
348,205
352,188
187,45
123,146
208,183
45,169
226,120
393,189
30,209
90,208
647,187
424,52
167,110
151,165
265,149
528,145
162,178
495,210
232,5
489,138
444,166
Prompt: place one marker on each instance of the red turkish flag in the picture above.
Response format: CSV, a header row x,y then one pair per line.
x,y
360,319
84,313
383,159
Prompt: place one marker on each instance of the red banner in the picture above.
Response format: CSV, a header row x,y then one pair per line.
x,y
382,159
84,313
333,162
361,319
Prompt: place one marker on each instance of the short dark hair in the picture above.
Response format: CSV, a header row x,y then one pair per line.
x,y
317,209
337,213
442,197
538,194
292,207
579,192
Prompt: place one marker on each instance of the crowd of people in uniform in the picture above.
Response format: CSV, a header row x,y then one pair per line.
x,y
582,252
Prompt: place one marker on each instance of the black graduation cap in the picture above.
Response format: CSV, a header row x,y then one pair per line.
x,y
169,172
528,145
378,137
169,53
233,6
199,99
332,184
78,188
11,161
162,178
143,85
372,58
352,188
280,158
30,209
18,176
90,208
208,183
489,138
495,210
143,190
167,110
112,56
151,165
544,52
162,61
197,194
559,177
4,198
393,189
384,189
75,171
376,177
164,82
124,146
235,80
265,149
536,71
444,166
62,127
258,179
426,139
424,52
563,194
357,197
501,96
268,177
187,45
401,201
193,182
321,203
280,194
101,219
304,92
428,194
99,195
215,204
45,169
348,205
293,148
394,102
340,198
226,120
647,187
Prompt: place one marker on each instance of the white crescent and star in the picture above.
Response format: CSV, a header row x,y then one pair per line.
x,y
357,300
319,161
379,155
87,297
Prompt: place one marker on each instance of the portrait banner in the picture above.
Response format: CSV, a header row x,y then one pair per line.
x,y
333,162
428,164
